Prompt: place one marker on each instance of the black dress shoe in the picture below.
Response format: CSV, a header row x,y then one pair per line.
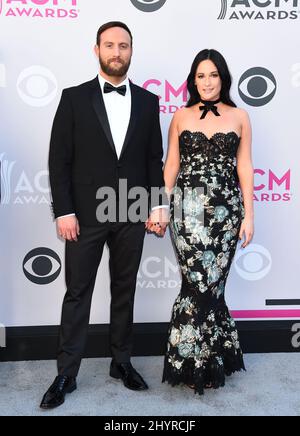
x,y
131,378
55,396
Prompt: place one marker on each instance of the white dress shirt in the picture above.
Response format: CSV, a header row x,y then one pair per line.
x,y
118,109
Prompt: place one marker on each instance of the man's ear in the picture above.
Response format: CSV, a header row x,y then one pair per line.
x,y
97,50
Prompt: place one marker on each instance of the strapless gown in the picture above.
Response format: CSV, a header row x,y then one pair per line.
x,y
203,345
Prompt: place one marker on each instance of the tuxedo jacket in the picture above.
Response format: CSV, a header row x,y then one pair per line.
x,y
83,157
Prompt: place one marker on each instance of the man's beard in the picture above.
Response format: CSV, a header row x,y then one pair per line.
x,y
115,72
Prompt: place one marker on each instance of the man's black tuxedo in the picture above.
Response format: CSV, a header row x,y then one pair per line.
x,y
83,156
82,159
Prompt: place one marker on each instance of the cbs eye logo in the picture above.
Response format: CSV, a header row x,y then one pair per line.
x,y
148,5
42,266
254,263
37,86
257,86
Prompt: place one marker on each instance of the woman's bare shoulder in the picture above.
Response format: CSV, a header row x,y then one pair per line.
x,y
181,113
179,116
240,113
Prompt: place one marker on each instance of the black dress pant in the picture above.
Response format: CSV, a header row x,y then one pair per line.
x,y
125,242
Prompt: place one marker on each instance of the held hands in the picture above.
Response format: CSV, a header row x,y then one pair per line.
x,y
68,228
158,222
247,230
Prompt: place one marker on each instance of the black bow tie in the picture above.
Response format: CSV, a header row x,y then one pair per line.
x,y
209,106
110,88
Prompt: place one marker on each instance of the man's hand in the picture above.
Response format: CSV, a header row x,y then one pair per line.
x,y
68,228
158,221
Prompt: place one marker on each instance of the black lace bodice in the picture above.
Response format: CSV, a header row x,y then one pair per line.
x,y
202,155
225,144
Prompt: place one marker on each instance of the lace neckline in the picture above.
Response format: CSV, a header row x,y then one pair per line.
x,y
212,137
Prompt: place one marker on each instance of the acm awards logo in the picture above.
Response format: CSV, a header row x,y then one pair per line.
x,y
172,96
158,273
39,8
272,186
18,188
259,10
148,5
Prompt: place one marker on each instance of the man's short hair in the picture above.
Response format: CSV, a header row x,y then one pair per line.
x,y
110,25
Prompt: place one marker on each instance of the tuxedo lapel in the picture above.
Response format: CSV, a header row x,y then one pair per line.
x,y
99,107
135,111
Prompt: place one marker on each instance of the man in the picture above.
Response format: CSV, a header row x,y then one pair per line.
x,y
104,131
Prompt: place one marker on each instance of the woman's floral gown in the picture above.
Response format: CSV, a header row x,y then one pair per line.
x,y
203,345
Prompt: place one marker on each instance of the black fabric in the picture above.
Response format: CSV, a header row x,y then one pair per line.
x,y
209,106
83,158
125,242
108,88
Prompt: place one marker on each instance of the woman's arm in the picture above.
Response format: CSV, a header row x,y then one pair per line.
x,y
246,177
172,165
171,170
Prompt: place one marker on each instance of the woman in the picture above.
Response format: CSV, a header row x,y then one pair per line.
x,y
209,155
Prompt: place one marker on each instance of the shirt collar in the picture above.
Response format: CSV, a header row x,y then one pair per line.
x,y
102,82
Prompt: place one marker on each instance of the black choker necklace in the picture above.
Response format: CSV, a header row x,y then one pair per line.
x,y
209,106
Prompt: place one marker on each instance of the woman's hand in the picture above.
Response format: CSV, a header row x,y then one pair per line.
x,y
247,231
158,222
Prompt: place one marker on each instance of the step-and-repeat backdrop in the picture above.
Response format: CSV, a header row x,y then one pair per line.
x,y
47,45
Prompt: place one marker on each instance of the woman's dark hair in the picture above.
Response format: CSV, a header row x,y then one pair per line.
x,y
110,25
224,73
